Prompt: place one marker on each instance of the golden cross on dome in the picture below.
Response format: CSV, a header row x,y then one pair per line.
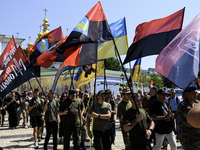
x,y
45,11
67,31
29,38
17,34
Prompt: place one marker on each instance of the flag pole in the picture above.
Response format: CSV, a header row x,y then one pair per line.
x,y
131,77
137,109
125,74
105,83
37,80
170,98
137,86
93,103
30,85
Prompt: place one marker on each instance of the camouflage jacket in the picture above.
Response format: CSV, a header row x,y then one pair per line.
x,y
189,136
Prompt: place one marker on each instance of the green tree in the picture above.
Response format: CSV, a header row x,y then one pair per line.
x,y
112,64
157,79
144,80
167,83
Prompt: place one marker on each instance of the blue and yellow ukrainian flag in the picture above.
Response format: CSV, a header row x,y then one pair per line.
x,y
107,49
81,77
135,72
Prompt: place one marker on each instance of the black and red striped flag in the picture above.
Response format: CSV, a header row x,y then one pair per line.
x,y
81,47
93,28
16,73
46,43
151,37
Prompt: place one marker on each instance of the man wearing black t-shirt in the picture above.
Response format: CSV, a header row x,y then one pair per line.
x,y
140,126
164,126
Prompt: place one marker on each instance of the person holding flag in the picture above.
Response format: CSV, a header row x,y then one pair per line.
x,y
132,122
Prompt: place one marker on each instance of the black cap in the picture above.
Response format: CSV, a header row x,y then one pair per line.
x,y
107,91
161,91
101,92
190,88
72,92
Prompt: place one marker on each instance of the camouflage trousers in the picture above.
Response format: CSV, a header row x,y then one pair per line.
x,y
83,130
125,138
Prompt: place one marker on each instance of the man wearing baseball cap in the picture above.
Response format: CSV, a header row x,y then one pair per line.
x,y
109,99
189,135
101,112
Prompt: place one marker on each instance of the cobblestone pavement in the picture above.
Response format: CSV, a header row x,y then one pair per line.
x,y
22,139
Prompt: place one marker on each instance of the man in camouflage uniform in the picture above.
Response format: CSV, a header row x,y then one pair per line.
x,y
71,110
83,124
189,135
123,106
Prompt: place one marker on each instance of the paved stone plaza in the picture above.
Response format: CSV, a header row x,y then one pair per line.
x,y
22,139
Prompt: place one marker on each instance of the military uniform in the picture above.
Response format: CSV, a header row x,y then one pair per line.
x,y
101,127
137,133
83,127
112,121
71,122
122,108
188,135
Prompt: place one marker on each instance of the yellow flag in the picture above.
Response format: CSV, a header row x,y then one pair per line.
x,y
86,73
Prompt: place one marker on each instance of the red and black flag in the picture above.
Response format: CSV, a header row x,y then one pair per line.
x,y
7,54
48,42
151,37
47,58
84,54
16,73
93,28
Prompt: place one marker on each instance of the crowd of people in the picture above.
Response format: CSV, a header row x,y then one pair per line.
x,y
148,120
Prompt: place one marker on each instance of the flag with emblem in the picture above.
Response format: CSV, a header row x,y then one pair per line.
x,y
179,60
47,42
151,37
86,73
8,53
84,54
135,72
16,73
47,58
80,48
93,28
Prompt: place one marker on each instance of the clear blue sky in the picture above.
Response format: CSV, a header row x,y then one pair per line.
x,y
25,16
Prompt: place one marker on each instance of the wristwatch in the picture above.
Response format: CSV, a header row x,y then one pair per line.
x,y
151,130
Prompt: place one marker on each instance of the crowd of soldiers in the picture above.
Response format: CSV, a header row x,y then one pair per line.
x,y
148,120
